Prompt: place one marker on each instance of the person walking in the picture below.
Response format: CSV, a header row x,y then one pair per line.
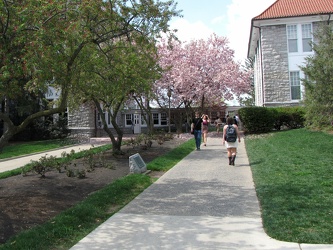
x,y
218,124
196,125
230,137
205,123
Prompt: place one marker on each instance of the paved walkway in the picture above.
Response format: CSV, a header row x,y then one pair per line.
x,y
201,203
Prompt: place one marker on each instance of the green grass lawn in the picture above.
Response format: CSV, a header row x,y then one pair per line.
x,y
17,149
293,175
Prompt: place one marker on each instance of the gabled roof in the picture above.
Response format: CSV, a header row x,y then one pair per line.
x,y
281,9
294,8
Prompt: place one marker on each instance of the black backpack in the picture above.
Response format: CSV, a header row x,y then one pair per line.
x,y
230,134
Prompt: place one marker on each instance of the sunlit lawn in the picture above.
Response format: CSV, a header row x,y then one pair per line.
x,y
18,149
293,175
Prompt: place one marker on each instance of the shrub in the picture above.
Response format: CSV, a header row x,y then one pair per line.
x,y
257,119
290,117
263,119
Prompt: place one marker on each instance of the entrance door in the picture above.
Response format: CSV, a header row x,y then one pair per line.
x,y
137,123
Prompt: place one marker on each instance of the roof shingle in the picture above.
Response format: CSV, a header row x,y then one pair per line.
x,y
292,8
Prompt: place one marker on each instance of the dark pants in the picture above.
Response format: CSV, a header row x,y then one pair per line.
x,y
197,137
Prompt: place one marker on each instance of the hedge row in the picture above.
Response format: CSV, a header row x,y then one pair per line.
x,y
263,119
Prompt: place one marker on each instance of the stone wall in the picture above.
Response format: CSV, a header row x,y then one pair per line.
x,y
82,121
275,64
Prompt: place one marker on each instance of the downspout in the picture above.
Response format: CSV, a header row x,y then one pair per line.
x,y
261,66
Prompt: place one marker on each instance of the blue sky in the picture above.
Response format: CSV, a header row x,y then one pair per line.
x,y
228,18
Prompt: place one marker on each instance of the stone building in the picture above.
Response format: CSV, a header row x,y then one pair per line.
x,y
86,122
279,43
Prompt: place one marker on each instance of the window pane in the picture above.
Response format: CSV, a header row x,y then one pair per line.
x,y
306,45
306,31
128,119
295,85
292,45
164,120
155,119
306,37
295,93
292,31
143,121
292,38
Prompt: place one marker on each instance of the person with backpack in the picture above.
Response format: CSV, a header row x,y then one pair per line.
x,y
230,137
196,126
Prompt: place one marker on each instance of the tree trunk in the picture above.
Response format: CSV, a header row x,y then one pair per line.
x,y
6,136
13,130
116,142
202,104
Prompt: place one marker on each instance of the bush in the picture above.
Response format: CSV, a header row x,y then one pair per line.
x,y
257,119
290,117
263,119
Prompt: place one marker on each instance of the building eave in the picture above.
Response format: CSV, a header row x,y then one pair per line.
x,y
256,24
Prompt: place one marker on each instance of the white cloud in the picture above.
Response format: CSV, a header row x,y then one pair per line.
x,y
191,31
232,21
239,14
218,20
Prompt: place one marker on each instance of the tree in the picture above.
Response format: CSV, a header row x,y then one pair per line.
x,y
319,80
249,99
34,55
200,73
44,44
123,66
113,79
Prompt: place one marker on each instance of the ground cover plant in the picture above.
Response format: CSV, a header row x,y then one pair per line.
x,y
292,171
67,227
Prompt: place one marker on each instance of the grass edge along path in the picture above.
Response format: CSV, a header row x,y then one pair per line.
x,y
71,156
292,171
70,226
26,148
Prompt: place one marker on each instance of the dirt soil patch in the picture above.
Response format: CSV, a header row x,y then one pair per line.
x,y
30,200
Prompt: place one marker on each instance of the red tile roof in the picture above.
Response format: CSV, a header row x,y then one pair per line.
x,y
292,8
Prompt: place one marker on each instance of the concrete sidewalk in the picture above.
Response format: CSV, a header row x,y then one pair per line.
x,y
201,203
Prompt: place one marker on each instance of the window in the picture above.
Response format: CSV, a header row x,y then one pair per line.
x,y
129,119
295,85
155,119
306,37
143,121
292,38
164,119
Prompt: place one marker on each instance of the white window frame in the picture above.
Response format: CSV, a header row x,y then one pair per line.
x,y
164,119
128,120
156,118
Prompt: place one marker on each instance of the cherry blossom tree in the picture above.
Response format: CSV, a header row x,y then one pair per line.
x,y
200,73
